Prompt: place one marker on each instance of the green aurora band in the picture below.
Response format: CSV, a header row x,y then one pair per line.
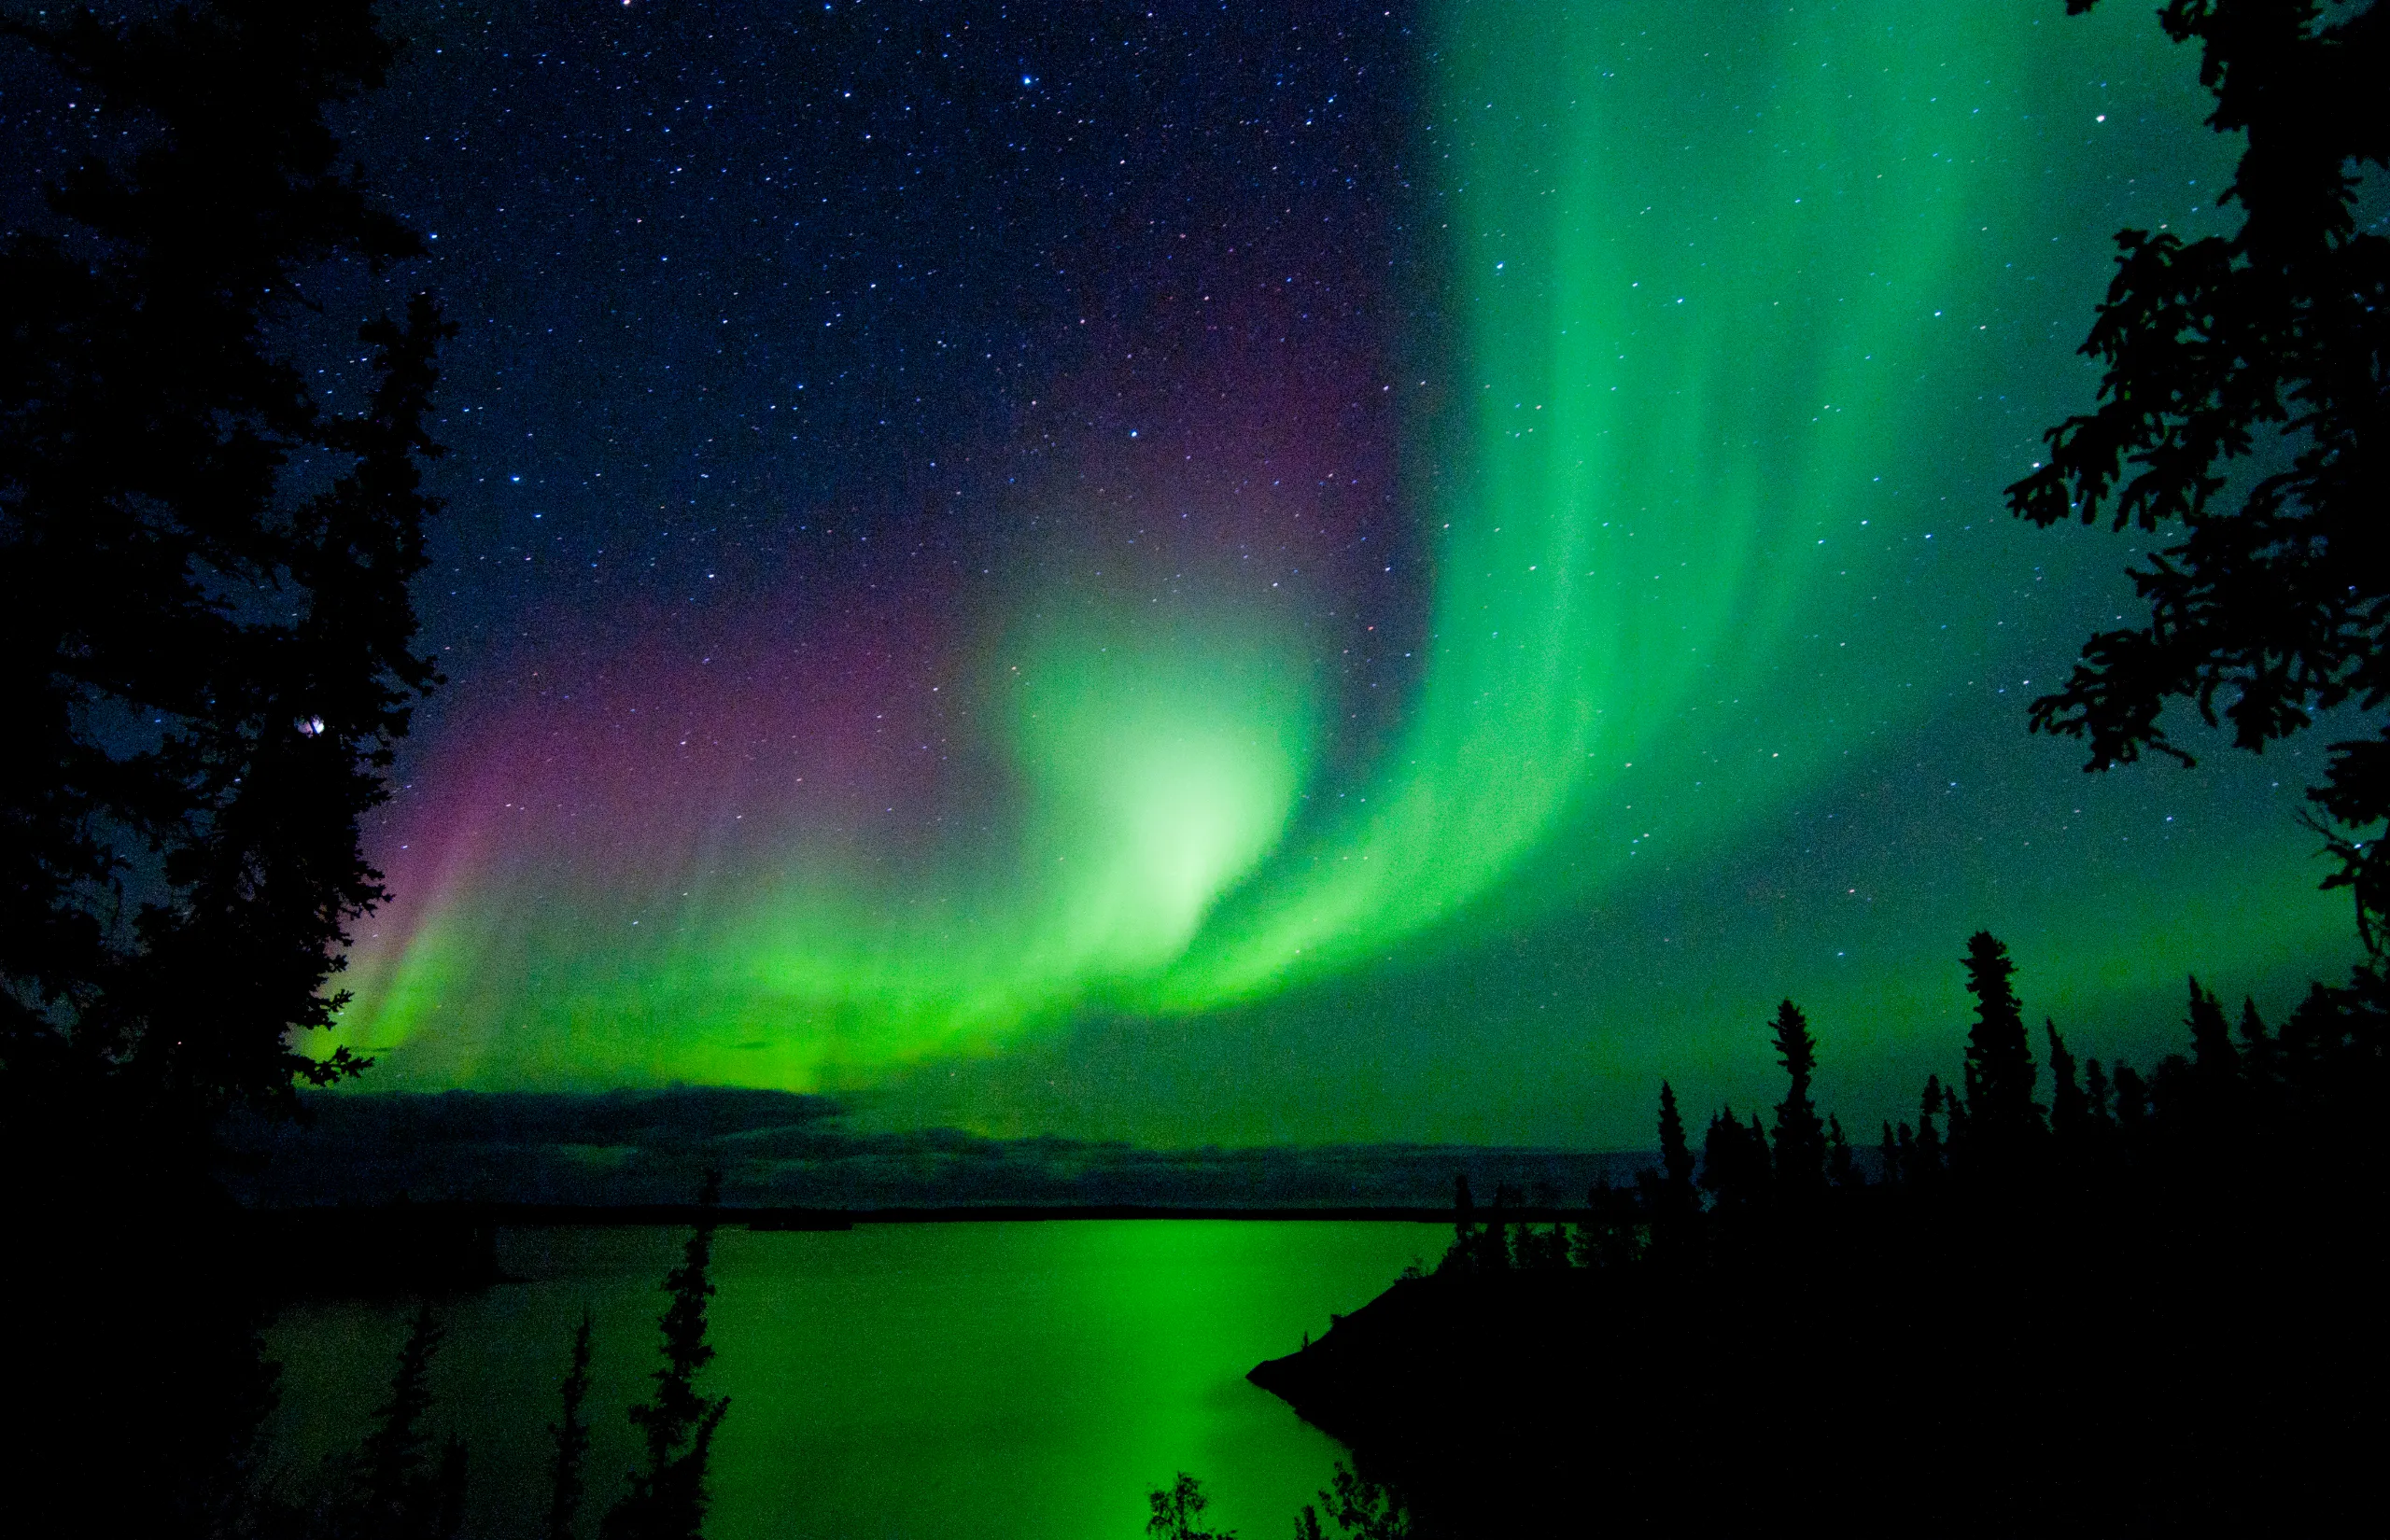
x,y
1666,343
1758,312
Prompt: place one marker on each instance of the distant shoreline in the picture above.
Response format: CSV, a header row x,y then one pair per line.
x,y
794,1218
331,1252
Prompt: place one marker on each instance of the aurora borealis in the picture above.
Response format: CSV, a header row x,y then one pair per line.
x,y
1252,575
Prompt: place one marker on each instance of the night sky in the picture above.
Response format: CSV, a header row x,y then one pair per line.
x,y
1258,573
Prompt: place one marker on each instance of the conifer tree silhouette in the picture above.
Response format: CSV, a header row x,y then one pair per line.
x,y
2081,1182
2132,1105
208,652
2201,1095
2257,1044
1924,1166
392,1456
143,524
2097,1097
667,1499
1463,1255
571,1438
1734,1162
1676,1155
1494,1255
2212,1051
2069,1114
1841,1170
1674,1203
2001,1115
1954,1127
2264,1101
1610,1237
1800,1137
400,1493
1719,1173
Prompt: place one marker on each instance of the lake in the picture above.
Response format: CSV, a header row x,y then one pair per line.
x,y
1031,1378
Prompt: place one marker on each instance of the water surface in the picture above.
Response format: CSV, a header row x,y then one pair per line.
x,y
919,1380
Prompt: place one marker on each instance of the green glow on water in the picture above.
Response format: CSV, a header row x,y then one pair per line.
x,y
929,1380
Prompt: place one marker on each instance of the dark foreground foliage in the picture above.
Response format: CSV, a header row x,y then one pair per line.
x,y
207,652
666,1500
401,1482
2097,1302
205,633
2242,406
2102,1303
1360,1508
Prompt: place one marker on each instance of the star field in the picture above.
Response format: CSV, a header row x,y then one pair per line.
x,y
1253,573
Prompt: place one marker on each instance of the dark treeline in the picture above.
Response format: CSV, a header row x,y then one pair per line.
x,y
2068,1296
2247,1113
404,1482
2063,1297
776,1149
207,656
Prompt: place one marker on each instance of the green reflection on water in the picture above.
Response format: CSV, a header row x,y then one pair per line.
x,y
1032,1380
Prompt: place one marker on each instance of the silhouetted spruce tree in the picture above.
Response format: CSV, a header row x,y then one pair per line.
x,y
1463,1255
572,1439
1676,1155
203,671
1494,1246
2096,1094
2264,1103
2001,1115
401,1493
1675,1203
1926,1162
2257,1055
2132,1106
1890,1154
203,664
391,1459
1954,1126
2100,1146
1800,1137
1841,1170
2333,1059
1720,1169
2263,345
2070,1115
1609,1237
2196,1099
1734,1164
2212,1051
666,1500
